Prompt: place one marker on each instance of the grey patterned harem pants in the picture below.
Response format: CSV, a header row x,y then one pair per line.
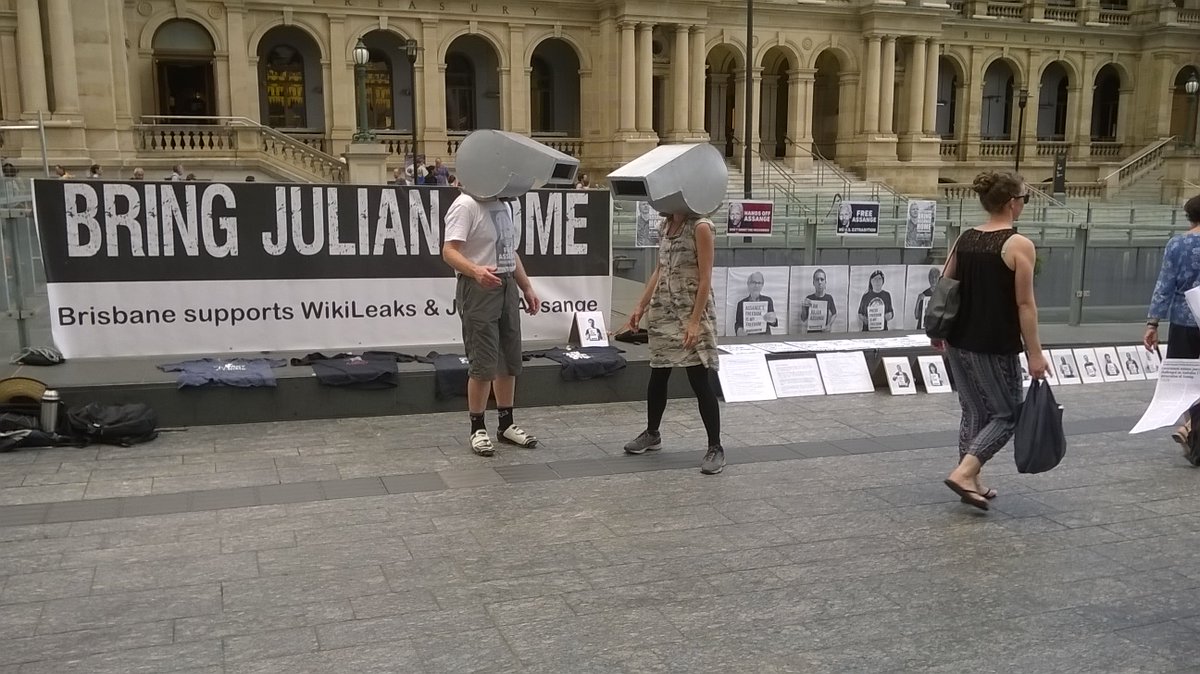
x,y
990,392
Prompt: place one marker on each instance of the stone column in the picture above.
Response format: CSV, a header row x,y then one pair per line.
x,y
645,79
1082,138
767,112
33,63
1124,114
917,77
871,86
681,72
62,49
628,86
340,86
699,56
847,84
932,78
754,134
120,65
1164,91
799,122
718,110
243,88
887,86
430,88
10,76
738,123
518,82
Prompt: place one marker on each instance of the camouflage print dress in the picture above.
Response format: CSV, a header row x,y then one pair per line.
x,y
673,300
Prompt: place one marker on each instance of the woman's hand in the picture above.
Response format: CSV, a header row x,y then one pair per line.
x,y
691,335
635,318
1150,338
1038,365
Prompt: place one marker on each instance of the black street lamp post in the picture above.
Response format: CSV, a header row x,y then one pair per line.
x,y
361,56
1022,101
410,50
748,132
1192,87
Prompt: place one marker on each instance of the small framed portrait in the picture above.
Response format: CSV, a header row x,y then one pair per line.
x,y
1131,362
1089,366
899,376
1062,361
933,374
1109,362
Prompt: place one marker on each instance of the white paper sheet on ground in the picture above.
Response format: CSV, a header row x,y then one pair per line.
x,y
1131,362
1178,389
741,349
899,376
845,373
776,347
1192,297
1109,364
746,378
803,346
796,377
1026,379
1089,366
933,374
1065,367
1151,363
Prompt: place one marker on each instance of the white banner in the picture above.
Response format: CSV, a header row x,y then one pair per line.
x,y
201,317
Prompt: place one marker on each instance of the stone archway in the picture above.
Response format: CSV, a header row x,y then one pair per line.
x,y
289,69
1106,104
827,103
1053,100
996,108
472,85
554,91
183,71
773,103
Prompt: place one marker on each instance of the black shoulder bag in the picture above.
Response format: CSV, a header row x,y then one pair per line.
x,y
942,309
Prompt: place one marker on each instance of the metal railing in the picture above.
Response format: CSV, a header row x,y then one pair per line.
x,y
217,134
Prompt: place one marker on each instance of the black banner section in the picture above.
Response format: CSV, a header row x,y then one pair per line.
x,y
95,230
1060,174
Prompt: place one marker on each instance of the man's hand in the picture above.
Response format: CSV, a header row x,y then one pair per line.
x,y
485,277
691,336
1038,365
771,317
532,303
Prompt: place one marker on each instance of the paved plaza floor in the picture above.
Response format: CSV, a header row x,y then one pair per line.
x,y
382,545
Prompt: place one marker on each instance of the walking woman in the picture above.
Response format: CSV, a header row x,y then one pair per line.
x,y
678,304
1180,272
994,267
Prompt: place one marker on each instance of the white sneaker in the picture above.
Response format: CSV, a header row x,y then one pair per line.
x,y
481,444
514,435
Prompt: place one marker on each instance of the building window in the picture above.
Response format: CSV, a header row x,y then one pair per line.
x,y
380,112
541,83
460,93
285,88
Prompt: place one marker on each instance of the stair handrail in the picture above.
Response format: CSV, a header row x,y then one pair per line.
x,y
1153,148
1042,196
792,185
823,163
231,120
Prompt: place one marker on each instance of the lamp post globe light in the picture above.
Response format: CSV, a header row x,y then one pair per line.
x,y
1192,87
410,50
1022,101
361,56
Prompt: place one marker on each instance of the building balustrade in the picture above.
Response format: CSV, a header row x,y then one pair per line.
x,y
1052,148
1062,14
1105,148
997,148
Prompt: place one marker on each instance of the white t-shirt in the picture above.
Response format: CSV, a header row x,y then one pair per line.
x,y
486,231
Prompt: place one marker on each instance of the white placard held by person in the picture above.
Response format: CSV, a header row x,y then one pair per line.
x,y
1177,390
745,378
754,317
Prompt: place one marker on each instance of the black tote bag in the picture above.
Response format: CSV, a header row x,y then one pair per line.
x,y
942,309
1039,443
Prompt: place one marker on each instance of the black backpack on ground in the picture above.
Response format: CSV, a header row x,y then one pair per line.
x,y
123,425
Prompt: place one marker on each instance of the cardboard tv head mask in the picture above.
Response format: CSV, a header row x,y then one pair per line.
x,y
676,179
497,164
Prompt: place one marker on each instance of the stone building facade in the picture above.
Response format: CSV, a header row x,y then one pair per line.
x,y
908,91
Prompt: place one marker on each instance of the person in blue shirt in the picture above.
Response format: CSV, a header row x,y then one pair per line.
x,y
1180,273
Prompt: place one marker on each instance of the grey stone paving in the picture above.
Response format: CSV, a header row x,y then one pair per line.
x,y
382,545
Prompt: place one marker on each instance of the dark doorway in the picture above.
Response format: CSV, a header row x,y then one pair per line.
x,y
185,89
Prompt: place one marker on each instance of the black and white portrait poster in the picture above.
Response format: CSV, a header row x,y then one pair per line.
x,y
149,268
918,226
933,374
1151,363
899,376
820,300
918,290
1131,362
756,301
1110,364
858,218
649,225
719,280
876,297
1062,361
1089,366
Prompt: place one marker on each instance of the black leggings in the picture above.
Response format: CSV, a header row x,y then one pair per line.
x,y
706,399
